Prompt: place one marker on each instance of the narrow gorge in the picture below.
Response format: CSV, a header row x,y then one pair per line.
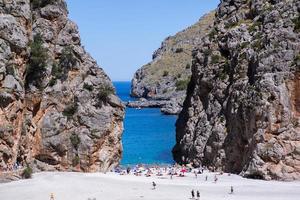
x,y
58,108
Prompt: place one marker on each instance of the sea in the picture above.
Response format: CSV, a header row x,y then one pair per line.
x,y
148,136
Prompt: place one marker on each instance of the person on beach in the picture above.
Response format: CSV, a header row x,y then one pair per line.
x,y
128,170
154,185
198,195
231,190
216,178
193,194
206,178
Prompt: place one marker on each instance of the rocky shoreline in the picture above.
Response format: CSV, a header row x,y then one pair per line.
x,y
166,106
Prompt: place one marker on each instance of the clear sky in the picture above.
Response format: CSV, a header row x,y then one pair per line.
x,y
122,34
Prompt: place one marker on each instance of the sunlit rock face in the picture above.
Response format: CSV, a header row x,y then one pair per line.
x,y
164,80
242,111
58,109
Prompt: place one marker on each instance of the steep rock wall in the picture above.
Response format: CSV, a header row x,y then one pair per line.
x,y
58,109
241,114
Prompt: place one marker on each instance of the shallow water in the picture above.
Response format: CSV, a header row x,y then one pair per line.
x,y
149,136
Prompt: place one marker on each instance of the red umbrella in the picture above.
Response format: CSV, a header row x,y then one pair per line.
x,y
183,170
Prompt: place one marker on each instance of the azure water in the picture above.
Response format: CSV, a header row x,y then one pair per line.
x,y
149,136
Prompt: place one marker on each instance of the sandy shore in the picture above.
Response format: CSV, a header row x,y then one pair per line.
x,y
111,186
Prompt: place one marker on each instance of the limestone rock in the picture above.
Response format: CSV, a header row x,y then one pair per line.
x,y
166,77
65,118
241,113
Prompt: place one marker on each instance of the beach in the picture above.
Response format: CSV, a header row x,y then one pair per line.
x,y
113,186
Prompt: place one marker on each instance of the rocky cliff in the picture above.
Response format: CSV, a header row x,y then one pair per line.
x,y
242,111
58,109
167,76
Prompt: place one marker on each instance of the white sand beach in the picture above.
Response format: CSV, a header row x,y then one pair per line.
x,y
111,186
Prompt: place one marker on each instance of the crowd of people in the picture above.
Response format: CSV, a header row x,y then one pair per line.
x,y
171,171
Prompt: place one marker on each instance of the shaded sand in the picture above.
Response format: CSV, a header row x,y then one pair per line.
x,y
111,186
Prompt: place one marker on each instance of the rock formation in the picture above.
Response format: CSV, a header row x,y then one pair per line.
x,y
167,76
58,110
242,111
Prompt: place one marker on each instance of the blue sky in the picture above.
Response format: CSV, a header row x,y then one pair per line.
x,y
122,35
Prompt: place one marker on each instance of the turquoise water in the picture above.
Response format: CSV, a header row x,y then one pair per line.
x,y
149,136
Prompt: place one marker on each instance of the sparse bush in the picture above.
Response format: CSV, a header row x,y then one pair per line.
x,y
75,161
88,87
70,110
297,24
255,25
165,73
104,93
67,58
231,25
179,50
75,140
27,172
188,66
40,3
215,59
182,84
52,82
212,33
10,69
36,68
57,71
207,52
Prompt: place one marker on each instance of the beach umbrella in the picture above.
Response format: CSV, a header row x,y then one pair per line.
x,y
183,170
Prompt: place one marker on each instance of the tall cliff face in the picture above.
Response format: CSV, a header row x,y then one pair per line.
x,y
167,76
58,110
242,111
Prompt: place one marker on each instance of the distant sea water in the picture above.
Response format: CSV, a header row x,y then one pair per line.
x,y
148,136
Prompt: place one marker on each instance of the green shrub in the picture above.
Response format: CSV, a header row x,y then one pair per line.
x,y
75,140
52,82
207,52
255,25
70,110
75,161
231,25
104,93
36,67
215,59
27,173
179,50
297,24
165,73
57,71
88,87
182,84
212,33
257,45
41,3
10,69
67,59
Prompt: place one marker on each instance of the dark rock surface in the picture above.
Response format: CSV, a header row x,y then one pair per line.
x,y
242,111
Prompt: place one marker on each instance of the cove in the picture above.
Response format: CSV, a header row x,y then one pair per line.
x,y
148,136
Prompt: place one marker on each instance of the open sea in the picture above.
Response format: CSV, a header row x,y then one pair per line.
x,y
148,136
